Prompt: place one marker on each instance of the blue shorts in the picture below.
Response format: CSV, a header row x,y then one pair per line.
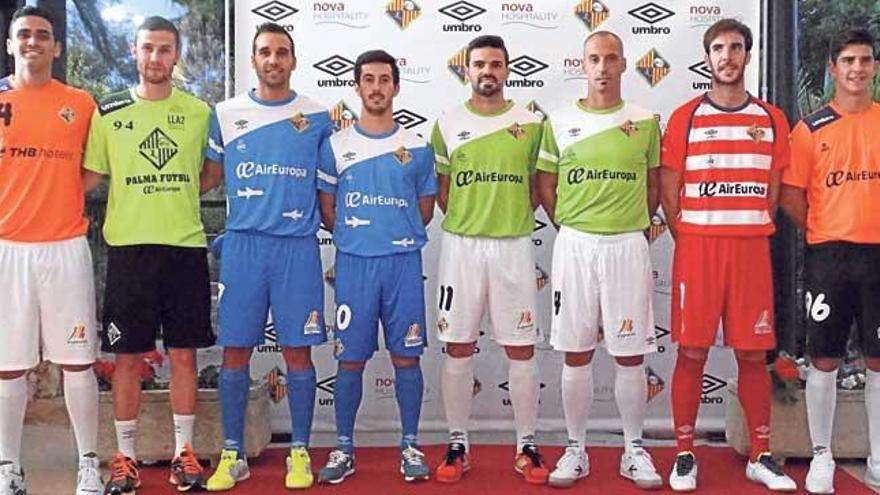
x,y
259,272
389,289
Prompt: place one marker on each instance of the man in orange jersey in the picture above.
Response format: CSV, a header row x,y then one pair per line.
x,y
46,279
722,156
831,190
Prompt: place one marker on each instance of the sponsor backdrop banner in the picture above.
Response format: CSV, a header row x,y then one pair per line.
x,y
663,47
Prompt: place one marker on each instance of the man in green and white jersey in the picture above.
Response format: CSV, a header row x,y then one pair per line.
x,y
485,152
598,180
149,140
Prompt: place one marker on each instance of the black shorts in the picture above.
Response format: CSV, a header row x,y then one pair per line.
x,y
842,286
155,291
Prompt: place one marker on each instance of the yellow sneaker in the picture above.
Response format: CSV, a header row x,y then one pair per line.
x,y
230,470
299,469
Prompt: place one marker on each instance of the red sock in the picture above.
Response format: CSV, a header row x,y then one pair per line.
x,y
753,387
687,382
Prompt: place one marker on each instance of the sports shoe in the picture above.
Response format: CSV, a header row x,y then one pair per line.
x,y
768,473
572,466
530,464
299,469
186,472
684,473
124,477
820,477
339,466
872,472
88,479
230,470
412,465
455,463
11,479
637,465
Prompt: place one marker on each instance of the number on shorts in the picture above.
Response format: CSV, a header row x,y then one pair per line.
x,y
817,309
445,297
557,301
343,317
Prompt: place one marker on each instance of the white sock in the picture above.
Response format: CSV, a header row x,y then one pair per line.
x,y
183,431
13,403
126,437
457,384
630,393
81,398
522,377
577,397
821,401
872,404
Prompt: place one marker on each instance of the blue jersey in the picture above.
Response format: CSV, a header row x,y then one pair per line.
x,y
378,180
269,152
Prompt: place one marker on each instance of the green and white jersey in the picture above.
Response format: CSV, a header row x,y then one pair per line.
x,y
153,153
602,159
489,160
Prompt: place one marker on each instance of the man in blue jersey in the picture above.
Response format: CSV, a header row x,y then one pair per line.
x,y
265,143
377,188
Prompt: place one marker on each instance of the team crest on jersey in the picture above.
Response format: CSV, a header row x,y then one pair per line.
x,y
277,384
443,325
78,335
516,130
628,128
763,325
312,325
756,133
402,155
158,148
413,336
67,115
300,122
655,384
404,12
592,13
526,321
626,329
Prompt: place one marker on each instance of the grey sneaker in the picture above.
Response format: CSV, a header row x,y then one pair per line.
x,y
412,465
11,479
339,466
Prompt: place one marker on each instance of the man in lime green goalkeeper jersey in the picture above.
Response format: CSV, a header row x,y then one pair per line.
x,y
485,152
598,180
149,141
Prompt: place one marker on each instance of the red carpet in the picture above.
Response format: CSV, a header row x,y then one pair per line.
x,y
721,471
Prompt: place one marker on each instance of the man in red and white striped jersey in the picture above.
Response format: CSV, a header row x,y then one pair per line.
x,y
722,156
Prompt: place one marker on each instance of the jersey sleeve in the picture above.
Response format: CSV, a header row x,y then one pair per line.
x,y
653,152
427,179
781,147
327,176
441,154
214,150
96,155
536,147
799,172
673,147
548,156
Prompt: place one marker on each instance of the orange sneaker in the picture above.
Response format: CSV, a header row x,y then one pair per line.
x,y
186,472
455,464
530,464
124,477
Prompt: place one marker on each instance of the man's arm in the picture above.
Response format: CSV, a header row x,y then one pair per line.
x,y
91,180
793,201
546,186
426,208
443,192
773,192
653,190
211,176
670,191
327,202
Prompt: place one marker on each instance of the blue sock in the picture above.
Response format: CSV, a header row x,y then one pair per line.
x,y
347,394
234,385
409,386
301,399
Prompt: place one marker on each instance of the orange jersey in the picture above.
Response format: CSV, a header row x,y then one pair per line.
x,y
835,157
726,157
43,133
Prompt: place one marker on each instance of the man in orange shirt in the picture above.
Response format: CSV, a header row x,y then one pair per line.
x,y
46,279
832,190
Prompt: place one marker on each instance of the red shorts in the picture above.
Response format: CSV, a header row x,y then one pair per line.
x,y
726,279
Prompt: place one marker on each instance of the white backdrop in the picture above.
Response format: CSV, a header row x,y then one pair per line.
x,y
663,45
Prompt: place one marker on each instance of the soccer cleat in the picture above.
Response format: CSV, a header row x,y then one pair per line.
x,y
11,479
299,469
572,466
872,473
412,465
768,473
530,464
684,473
339,466
637,465
186,472
88,479
454,465
820,477
230,470
124,477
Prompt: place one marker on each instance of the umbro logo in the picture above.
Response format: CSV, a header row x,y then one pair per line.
x,y
462,11
274,11
335,65
328,384
408,119
701,69
711,384
526,66
651,13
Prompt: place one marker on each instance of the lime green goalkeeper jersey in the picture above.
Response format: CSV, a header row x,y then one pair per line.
x,y
602,160
489,159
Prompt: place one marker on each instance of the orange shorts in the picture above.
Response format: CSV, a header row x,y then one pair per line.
x,y
723,279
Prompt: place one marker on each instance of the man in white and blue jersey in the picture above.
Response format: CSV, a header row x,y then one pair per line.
x,y
377,188
265,144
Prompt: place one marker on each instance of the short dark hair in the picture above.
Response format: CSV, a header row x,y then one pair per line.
x,y
851,37
487,41
605,34
156,23
376,57
30,10
727,26
271,27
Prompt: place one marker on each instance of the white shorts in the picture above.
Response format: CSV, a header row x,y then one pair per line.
x,y
47,303
602,282
477,274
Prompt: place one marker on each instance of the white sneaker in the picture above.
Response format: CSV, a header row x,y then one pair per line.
x,y
11,479
637,465
88,480
820,478
768,473
872,472
572,466
683,477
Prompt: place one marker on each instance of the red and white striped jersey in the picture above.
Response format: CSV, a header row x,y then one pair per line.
x,y
726,156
